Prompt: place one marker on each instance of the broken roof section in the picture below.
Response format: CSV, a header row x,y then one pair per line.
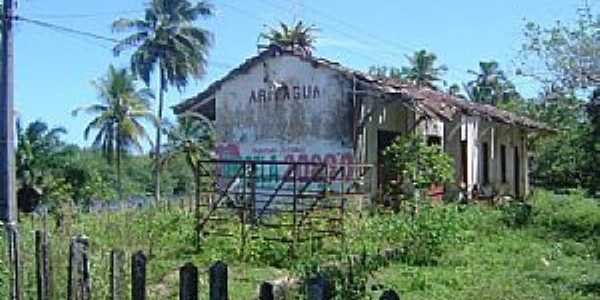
x,y
433,103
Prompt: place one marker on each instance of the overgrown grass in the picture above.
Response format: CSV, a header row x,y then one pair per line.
x,y
553,254
550,249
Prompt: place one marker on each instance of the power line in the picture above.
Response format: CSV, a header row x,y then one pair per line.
x,y
84,15
113,41
66,29
373,37
262,19
381,57
367,38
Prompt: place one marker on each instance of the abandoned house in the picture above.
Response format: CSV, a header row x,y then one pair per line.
x,y
284,106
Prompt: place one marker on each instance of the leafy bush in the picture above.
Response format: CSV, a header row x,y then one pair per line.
x,y
409,159
517,213
431,232
562,216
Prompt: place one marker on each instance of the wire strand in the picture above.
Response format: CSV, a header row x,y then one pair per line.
x,y
66,29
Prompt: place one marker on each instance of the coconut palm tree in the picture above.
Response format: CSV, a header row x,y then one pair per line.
x,y
37,147
191,137
490,85
296,36
422,71
118,117
166,39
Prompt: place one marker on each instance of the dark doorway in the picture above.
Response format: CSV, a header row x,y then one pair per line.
x,y
503,163
434,140
485,160
384,139
517,172
464,158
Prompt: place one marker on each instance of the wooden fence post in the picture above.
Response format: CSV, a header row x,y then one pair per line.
x,y
117,274
188,282
138,276
42,265
266,291
217,281
79,284
389,295
318,288
14,259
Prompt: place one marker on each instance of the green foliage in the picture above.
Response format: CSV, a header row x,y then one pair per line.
x,y
517,213
463,251
296,36
409,159
39,149
118,117
59,191
491,85
553,255
384,72
593,144
561,54
422,70
167,39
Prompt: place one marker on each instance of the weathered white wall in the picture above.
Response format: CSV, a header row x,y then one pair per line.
x,y
381,114
313,123
477,132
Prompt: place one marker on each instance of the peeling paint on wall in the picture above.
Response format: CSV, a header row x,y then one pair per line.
x,y
299,113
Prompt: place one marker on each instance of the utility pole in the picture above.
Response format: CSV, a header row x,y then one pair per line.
x,y
8,203
8,207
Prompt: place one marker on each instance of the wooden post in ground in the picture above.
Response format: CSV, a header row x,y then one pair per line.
x,y
138,276
14,260
244,212
42,265
217,281
188,282
318,288
117,274
389,295
79,283
251,204
266,291
295,228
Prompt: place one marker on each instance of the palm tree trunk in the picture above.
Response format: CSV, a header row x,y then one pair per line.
x,y
158,137
119,174
196,172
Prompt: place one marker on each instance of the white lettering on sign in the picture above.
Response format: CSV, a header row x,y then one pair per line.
x,y
285,93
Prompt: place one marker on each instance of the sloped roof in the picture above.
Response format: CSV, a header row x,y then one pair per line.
x,y
432,102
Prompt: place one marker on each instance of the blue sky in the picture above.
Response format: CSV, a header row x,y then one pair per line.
x,y
53,70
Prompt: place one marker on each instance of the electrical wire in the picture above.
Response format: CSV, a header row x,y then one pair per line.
x,y
84,15
66,29
366,38
113,41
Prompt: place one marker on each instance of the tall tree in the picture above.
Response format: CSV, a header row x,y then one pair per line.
x,y
168,40
119,117
191,137
38,146
423,71
565,55
298,37
491,85
384,72
593,144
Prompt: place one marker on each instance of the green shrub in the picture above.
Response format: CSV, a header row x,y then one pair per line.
x,y
409,159
517,213
431,232
573,216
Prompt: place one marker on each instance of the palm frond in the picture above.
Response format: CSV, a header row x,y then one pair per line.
x,y
129,42
124,24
